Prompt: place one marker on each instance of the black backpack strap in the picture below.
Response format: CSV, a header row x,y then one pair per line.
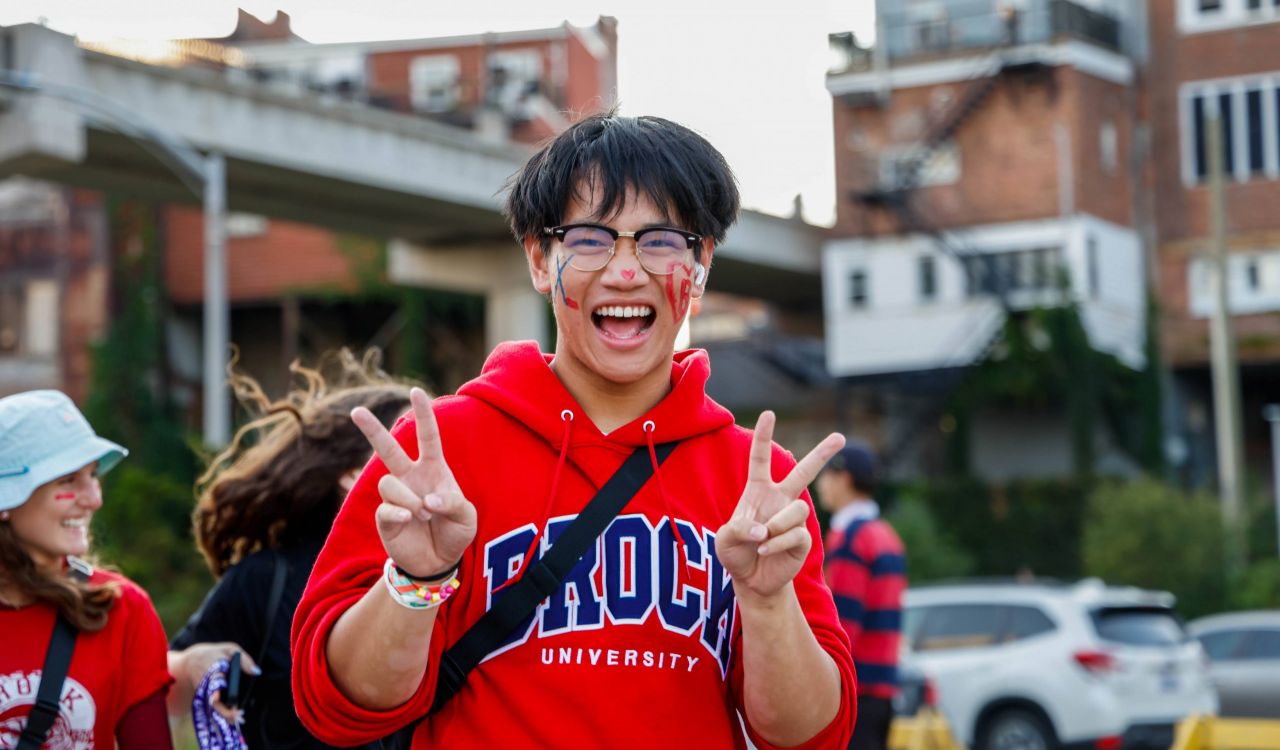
x,y
57,660
543,578
279,571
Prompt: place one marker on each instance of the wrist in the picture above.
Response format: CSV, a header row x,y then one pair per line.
x,y
449,572
755,601
418,595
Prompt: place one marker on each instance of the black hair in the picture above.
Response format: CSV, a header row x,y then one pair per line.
x,y
675,167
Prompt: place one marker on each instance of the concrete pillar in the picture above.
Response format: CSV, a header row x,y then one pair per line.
x,y
516,313
513,309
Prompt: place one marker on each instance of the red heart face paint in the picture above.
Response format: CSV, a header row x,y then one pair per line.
x,y
629,274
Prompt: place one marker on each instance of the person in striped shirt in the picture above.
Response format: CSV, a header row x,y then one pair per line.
x,y
866,571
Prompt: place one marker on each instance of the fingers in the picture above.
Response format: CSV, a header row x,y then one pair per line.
x,y
793,514
741,530
450,505
397,494
759,465
233,715
807,470
794,539
424,418
392,455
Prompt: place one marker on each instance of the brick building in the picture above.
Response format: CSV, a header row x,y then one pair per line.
x,y
985,166
1217,57
996,156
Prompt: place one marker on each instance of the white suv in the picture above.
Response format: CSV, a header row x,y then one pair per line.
x,y
1038,666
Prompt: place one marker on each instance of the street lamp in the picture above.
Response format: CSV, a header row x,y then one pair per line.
x,y
205,176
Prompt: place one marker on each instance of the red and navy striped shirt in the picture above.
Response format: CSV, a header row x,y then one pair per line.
x,y
866,571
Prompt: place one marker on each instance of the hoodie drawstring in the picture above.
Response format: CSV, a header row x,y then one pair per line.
x,y
567,417
683,563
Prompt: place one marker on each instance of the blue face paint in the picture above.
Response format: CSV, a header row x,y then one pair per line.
x,y
564,296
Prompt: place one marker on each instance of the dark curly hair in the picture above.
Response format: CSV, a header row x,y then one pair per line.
x,y
277,483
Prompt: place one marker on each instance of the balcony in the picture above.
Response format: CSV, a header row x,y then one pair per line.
x,y
950,27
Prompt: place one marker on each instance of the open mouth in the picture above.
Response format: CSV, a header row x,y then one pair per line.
x,y
623,321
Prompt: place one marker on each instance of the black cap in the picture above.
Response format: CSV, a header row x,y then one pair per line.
x,y
857,459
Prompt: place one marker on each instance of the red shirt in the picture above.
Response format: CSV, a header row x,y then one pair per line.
x,y
111,670
620,657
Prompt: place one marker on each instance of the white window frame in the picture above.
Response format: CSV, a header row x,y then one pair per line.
x,y
1239,170
38,326
432,75
1233,13
1243,299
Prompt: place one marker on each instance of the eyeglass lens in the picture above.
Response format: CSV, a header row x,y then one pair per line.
x,y
590,248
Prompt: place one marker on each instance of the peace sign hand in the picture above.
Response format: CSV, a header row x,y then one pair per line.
x,y
424,521
765,542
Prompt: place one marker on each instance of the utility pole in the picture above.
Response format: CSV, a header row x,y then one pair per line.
x,y
1226,376
1272,415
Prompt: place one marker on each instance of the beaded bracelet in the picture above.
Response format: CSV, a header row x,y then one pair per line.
x,y
418,595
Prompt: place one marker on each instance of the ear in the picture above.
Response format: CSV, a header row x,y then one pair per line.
x,y
702,271
539,264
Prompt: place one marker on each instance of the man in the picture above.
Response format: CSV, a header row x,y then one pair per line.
x,y
699,612
866,571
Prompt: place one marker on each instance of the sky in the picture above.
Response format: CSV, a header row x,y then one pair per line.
x,y
747,74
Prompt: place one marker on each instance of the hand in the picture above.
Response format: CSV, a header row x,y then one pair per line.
x,y
764,543
190,665
424,521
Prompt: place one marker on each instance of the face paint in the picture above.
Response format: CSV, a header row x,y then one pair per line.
x,y
629,274
678,291
65,496
564,296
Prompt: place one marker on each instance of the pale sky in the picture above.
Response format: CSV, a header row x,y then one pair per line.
x,y
747,74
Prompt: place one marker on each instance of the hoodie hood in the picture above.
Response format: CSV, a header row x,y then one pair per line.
x,y
517,379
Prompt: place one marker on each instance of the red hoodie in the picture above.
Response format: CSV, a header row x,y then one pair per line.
x,y
625,661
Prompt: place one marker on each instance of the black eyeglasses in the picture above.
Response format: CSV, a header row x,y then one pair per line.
x,y
660,249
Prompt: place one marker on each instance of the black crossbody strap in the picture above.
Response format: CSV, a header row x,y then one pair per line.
x,y
57,660
544,577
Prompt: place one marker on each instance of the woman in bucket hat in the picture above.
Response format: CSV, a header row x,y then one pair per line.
x,y
116,683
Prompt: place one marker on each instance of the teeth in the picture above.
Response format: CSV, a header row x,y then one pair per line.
x,y
75,523
624,311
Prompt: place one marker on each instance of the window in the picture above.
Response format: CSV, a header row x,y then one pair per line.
x,y
940,167
433,83
994,273
1108,147
952,626
1026,622
1249,110
1255,131
928,279
858,296
1252,278
1209,6
1209,15
29,318
1262,644
1223,645
1139,626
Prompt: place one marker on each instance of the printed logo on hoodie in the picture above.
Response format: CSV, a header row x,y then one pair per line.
x,y
628,577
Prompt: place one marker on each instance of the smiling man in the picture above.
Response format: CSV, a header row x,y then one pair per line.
x,y
700,611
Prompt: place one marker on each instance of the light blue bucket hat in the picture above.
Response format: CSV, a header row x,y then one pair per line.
x,y
44,436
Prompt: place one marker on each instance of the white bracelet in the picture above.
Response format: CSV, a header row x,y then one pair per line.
x,y
413,595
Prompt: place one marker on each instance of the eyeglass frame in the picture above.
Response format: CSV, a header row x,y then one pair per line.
x,y
691,239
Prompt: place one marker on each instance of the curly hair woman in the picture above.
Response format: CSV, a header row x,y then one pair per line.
x,y
264,509
50,460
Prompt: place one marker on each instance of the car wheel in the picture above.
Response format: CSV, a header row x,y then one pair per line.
x,y
1017,729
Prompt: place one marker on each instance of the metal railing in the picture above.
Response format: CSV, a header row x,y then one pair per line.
x,y
966,25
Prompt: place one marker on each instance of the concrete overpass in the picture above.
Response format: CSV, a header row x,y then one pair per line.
x,y
297,155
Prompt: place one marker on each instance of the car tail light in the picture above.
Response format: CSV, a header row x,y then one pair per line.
x,y
1108,743
1096,662
930,698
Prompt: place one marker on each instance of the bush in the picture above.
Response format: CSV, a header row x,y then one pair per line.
x,y
932,554
144,530
1148,534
